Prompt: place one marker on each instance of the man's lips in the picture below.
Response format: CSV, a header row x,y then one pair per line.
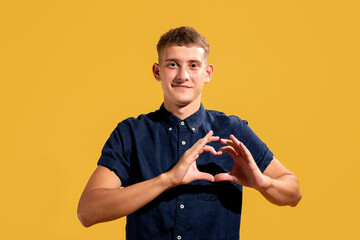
x,y
180,86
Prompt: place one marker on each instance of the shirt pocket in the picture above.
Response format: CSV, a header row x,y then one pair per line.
x,y
207,196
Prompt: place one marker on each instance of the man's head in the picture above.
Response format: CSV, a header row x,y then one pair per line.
x,y
182,68
182,36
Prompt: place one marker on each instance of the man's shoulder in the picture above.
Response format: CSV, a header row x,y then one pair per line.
x,y
221,116
140,119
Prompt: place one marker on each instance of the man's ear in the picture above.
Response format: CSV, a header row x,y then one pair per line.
x,y
156,71
209,72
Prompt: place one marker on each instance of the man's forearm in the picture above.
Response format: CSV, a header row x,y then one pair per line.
x,y
283,190
103,204
98,204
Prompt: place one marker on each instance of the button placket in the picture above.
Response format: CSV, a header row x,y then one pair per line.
x,y
184,142
182,123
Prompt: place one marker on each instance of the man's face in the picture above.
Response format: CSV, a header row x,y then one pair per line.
x,y
182,70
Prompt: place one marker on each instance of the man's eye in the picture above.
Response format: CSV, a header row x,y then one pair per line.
x,y
172,65
193,65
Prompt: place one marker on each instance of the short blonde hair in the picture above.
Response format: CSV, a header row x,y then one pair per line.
x,y
182,36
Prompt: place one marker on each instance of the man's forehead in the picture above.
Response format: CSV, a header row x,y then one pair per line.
x,y
189,52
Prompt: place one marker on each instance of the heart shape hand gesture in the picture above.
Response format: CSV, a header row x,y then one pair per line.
x,y
245,171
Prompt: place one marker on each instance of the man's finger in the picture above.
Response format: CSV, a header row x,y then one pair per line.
x,y
206,176
209,134
232,144
223,177
244,151
228,149
234,140
213,139
201,143
210,149
228,142
239,146
193,152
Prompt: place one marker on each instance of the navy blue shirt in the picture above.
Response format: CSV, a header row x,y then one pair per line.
x,y
142,148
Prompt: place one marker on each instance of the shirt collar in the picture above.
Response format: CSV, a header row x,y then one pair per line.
x,y
193,122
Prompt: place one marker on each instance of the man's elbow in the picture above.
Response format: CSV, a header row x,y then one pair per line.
x,y
297,199
82,216
296,194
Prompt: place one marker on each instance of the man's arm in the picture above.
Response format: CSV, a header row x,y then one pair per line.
x,y
104,200
276,184
282,186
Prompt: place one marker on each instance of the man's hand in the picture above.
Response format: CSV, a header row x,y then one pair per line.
x,y
276,184
185,171
245,171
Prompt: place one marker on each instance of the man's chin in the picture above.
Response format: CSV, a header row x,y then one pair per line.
x,y
182,100
183,103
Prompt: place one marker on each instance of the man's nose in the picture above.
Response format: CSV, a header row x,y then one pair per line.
x,y
183,74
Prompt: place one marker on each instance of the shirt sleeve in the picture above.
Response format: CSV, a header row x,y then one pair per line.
x,y
116,152
258,149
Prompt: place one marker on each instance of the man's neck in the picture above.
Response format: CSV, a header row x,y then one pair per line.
x,y
182,111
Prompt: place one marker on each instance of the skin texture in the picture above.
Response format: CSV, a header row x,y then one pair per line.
x,y
182,72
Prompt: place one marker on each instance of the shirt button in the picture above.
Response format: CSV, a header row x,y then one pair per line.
x,y
182,123
183,142
193,129
182,206
178,237
170,129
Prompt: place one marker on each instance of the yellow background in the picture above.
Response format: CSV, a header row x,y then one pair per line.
x,y
71,70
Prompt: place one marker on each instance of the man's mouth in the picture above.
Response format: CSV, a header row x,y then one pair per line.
x,y
180,86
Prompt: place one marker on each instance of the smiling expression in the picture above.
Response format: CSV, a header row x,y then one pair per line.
x,y
182,70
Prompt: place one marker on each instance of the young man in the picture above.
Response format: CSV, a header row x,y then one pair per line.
x,y
179,180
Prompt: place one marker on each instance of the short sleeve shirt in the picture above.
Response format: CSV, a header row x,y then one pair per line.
x,y
142,148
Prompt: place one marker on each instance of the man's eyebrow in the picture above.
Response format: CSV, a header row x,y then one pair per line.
x,y
171,60
194,60
176,60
